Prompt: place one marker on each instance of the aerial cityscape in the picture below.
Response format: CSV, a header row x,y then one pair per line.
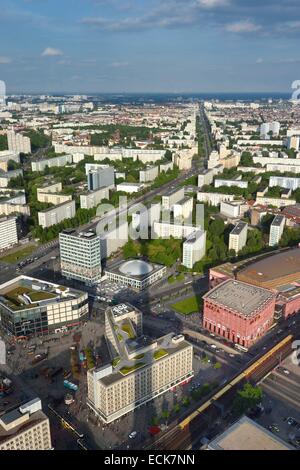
x,y
149,234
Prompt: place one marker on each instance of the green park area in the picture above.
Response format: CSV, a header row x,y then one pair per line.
x,y
16,256
189,305
178,278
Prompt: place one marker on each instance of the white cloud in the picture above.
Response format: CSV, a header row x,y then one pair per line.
x,y
119,64
5,60
243,27
213,3
51,52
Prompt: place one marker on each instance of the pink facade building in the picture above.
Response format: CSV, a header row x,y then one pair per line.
x,y
240,312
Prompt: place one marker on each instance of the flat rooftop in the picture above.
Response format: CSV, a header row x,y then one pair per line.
x,y
278,220
246,434
23,293
15,415
243,298
85,235
239,228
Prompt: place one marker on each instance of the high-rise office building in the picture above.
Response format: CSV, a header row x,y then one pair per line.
x,y
99,176
80,256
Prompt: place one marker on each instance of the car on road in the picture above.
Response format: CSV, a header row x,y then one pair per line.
x,y
231,355
292,421
274,428
132,435
213,346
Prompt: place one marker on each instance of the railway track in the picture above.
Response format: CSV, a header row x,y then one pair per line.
x,y
188,431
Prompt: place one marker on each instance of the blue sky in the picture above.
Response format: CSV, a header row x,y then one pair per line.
x,y
149,45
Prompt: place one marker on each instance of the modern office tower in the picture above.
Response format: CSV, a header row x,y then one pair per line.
x,y
238,237
8,232
173,196
25,428
99,176
55,215
41,308
2,93
61,160
149,174
240,312
140,369
194,248
80,256
276,230
18,142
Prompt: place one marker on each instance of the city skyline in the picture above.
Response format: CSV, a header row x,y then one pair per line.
x,y
176,46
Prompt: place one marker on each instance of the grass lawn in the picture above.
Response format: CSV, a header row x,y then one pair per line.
x,y
178,278
189,305
17,256
37,296
126,327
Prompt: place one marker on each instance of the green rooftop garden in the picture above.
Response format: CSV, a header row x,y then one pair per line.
x,y
139,356
159,354
38,296
128,369
127,328
116,361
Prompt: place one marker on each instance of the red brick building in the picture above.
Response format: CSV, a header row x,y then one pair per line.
x,y
239,312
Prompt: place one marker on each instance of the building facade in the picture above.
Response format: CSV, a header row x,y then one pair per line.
x,y
55,215
240,312
18,143
194,248
276,230
238,237
8,232
80,256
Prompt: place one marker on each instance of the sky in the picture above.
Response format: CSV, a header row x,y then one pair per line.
x,y
175,46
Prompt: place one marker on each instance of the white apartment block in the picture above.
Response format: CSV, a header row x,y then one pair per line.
x,y
93,198
18,143
168,230
285,182
238,237
173,196
264,161
80,256
148,175
55,215
8,232
284,168
273,201
127,382
55,199
166,166
25,428
206,177
214,199
230,183
6,177
233,209
276,230
144,217
183,209
130,187
113,239
194,248
62,160
6,156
